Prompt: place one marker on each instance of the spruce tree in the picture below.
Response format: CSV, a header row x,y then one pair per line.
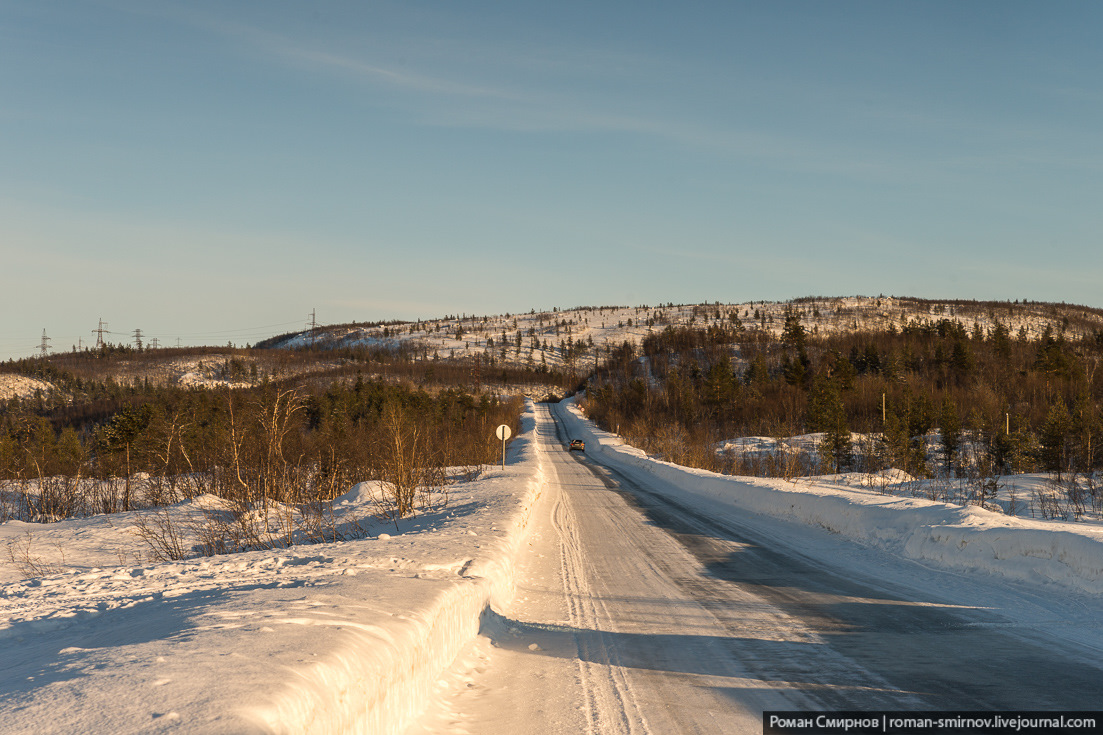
x,y
826,413
758,374
949,424
1054,438
1085,429
793,333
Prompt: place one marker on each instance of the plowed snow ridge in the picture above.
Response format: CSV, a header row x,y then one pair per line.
x,y
965,539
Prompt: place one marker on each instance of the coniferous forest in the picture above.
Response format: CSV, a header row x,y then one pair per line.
x,y
990,401
932,397
292,436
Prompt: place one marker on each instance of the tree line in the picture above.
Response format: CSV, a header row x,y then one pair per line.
x,y
1000,402
289,442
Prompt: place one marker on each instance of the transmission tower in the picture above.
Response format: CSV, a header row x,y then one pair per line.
x,y
99,334
313,326
155,343
45,344
138,338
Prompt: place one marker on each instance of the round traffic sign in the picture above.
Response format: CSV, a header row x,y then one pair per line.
x,y
503,432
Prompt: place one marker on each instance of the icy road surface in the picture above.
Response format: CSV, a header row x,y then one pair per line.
x,y
635,613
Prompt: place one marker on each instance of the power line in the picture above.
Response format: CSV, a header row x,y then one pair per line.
x,y
99,333
242,330
102,334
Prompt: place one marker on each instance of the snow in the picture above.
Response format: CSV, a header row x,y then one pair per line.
x,y
611,326
199,380
210,370
358,635
1069,555
1034,496
337,637
20,386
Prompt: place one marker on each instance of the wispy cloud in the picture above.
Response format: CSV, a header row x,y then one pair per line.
x,y
447,101
407,80
460,83
292,52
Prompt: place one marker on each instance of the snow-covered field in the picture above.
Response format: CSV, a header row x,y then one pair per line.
x,y
324,638
357,634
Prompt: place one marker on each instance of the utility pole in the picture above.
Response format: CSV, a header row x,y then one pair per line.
x,y
99,334
45,344
138,338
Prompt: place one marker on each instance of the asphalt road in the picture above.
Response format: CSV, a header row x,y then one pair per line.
x,y
640,614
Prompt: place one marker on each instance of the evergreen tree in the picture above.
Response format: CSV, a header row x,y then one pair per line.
x,y
793,333
842,371
758,374
1055,436
961,358
949,424
892,366
125,430
895,442
1022,449
1085,430
720,385
1051,357
827,413
1001,342
795,370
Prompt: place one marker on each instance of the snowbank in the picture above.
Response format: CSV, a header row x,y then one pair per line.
x,y
966,539
383,679
330,638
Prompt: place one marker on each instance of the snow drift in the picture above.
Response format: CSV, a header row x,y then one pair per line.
x,y
383,676
351,636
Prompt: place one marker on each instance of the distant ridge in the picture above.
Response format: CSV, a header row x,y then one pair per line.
x,y
557,332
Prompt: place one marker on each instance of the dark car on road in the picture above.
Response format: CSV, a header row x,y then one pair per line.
x,y
577,444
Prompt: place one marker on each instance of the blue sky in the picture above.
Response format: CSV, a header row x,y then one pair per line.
x,y
212,171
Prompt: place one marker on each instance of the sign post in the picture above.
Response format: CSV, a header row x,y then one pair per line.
x,y
503,433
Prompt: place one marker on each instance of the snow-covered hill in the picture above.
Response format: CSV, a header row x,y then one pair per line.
x,y
547,337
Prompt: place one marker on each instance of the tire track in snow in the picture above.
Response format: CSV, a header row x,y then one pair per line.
x,y
611,705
